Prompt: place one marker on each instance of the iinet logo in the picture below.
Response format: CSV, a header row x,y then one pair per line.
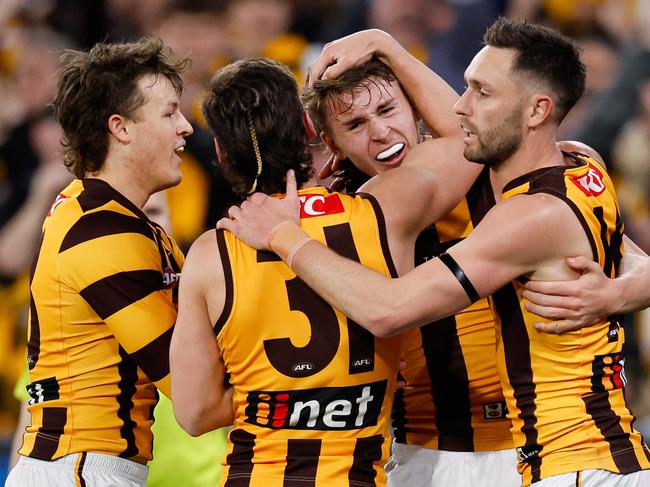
x,y
312,205
326,408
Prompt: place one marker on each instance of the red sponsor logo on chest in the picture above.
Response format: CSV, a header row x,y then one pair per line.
x,y
318,205
591,183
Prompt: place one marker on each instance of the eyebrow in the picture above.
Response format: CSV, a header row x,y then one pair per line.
x,y
386,103
381,106
478,82
351,122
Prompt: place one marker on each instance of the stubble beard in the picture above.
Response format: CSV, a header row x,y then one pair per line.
x,y
497,144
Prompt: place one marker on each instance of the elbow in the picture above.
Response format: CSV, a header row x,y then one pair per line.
x,y
193,428
198,424
383,321
197,421
189,421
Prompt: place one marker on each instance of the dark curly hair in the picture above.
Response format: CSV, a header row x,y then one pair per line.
x,y
264,93
94,85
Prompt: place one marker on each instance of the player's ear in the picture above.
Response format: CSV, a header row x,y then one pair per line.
x,y
541,108
309,125
332,146
117,127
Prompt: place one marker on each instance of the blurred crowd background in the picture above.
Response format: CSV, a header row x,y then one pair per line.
x,y
613,116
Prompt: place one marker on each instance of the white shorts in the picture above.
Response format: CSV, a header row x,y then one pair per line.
x,y
415,466
596,478
97,469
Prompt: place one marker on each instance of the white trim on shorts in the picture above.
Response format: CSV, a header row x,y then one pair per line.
x,y
596,478
77,468
416,466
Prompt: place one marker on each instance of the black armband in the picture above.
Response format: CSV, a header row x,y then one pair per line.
x,y
460,275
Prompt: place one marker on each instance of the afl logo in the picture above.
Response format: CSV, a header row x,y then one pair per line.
x,y
302,366
169,277
591,183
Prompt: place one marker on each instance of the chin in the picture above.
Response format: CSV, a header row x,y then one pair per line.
x,y
169,182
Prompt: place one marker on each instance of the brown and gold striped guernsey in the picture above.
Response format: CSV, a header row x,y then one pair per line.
x,y
103,305
313,390
565,393
453,399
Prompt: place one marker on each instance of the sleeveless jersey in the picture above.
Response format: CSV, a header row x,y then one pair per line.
x,y
453,399
565,393
312,389
103,305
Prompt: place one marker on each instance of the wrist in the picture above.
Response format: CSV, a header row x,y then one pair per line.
x,y
386,48
285,237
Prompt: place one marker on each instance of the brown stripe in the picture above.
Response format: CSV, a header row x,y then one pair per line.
x,y
102,224
367,453
361,342
608,263
228,280
449,385
383,236
519,368
128,371
113,293
34,344
480,197
49,434
267,256
240,461
97,193
427,245
153,358
302,463
608,422
80,468
398,415
611,243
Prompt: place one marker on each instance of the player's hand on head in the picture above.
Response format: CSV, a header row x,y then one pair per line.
x,y
572,304
257,219
342,54
332,165
334,168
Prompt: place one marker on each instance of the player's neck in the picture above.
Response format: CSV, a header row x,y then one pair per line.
x,y
534,153
123,181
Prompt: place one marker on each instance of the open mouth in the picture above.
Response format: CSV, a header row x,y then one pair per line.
x,y
391,154
180,149
469,134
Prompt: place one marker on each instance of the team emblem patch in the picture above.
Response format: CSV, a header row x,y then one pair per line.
x,y
591,183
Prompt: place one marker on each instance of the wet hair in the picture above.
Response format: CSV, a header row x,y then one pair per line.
x,y
253,109
316,98
94,85
543,55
